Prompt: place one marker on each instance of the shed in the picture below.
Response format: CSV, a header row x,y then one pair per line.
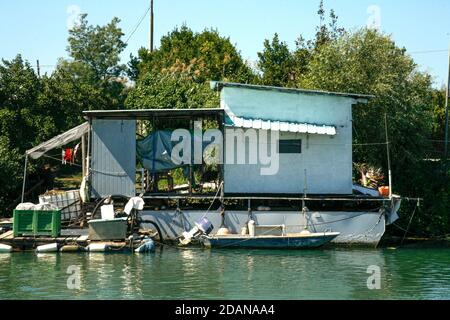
x,y
315,138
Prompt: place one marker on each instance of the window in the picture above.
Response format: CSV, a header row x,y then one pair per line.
x,y
290,146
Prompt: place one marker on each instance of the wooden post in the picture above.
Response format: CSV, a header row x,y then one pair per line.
x,y
24,178
221,121
191,169
83,154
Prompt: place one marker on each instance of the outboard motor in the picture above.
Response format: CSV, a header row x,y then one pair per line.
x,y
203,227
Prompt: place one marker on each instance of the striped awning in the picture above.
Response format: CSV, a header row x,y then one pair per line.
x,y
294,127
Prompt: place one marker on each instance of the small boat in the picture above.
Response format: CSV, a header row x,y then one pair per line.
x,y
290,241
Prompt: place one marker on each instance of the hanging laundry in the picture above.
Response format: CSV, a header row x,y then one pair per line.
x,y
68,155
75,152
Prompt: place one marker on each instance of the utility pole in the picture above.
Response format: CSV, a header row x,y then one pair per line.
x,y
151,25
38,69
447,97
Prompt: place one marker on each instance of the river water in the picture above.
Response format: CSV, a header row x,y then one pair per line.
x,y
172,273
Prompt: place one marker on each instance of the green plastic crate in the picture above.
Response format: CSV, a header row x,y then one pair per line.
x,y
37,223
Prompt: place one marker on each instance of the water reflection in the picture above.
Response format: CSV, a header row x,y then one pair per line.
x,y
229,274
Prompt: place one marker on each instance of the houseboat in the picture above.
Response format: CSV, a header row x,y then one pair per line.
x,y
279,157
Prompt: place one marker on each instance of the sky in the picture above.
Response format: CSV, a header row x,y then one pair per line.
x,y
38,29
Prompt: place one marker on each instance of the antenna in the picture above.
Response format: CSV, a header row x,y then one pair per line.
x,y
388,156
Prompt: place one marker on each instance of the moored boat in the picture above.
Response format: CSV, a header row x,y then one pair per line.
x,y
290,241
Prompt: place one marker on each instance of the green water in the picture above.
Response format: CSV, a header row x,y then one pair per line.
x,y
223,274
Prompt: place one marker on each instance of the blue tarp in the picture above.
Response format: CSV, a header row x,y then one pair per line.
x,y
155,152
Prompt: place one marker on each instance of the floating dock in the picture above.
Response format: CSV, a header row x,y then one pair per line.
x,y
68,243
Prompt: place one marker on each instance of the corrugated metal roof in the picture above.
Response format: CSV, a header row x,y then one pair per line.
x,y
150,113
238,122
218,85
59,141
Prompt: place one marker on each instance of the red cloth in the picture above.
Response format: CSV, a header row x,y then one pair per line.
x,y
68,154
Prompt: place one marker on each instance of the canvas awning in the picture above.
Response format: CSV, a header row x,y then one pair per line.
x,y
59,141
294,127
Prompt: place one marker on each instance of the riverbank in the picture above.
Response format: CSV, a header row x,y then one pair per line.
x,y
414,242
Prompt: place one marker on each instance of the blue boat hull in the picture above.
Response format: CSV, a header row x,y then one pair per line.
x,y
270,242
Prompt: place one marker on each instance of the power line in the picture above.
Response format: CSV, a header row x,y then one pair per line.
x,y
428,51
138,25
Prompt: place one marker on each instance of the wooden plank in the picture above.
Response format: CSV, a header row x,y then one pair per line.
x,y
83,238
7,235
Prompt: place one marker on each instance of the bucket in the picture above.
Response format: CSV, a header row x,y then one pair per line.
x,y
205,226
384,191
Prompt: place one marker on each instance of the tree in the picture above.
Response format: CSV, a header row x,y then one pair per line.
x,y
94,75
176,90
24,122
281,67
98,48
276,63
34,109
324,33
367,61
208,55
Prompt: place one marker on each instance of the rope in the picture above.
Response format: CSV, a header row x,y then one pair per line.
x,y
409,224
215,197
123,174
330,222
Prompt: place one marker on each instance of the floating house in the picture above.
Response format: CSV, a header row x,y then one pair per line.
x,y
285,159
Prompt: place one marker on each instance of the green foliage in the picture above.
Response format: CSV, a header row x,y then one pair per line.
x,y
369,62
23,122
281,67
176,75
171,91
34,109
94,77
206,55
276,63
366,61
98,48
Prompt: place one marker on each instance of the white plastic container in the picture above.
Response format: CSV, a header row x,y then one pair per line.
x,y
47,248
107,212
251,228
4,248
